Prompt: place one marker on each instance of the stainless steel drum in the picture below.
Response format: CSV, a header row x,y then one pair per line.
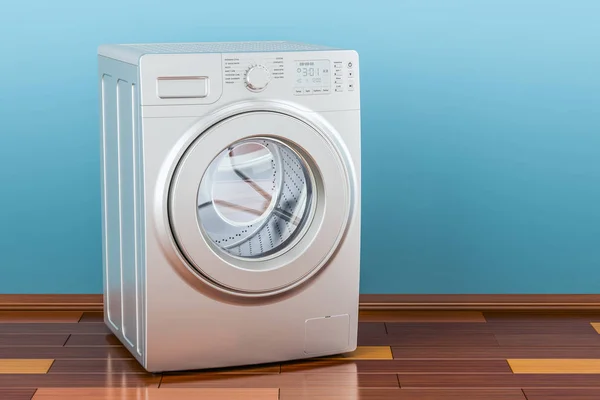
x,y
255,198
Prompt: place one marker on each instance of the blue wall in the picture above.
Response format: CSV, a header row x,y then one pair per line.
x,y
481,134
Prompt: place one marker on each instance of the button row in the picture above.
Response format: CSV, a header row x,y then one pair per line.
x,y
304,91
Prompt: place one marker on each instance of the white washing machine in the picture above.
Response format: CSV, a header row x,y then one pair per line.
x,y
230,201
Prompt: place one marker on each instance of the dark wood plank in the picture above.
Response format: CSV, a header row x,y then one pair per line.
x,y
92,316
53,328
65,352
562,394
494,352
437,328
108,366
559,326
515,381
78,380
337,380
439,339
376,329
12,340
402,394
16,394
548,340
398,366
522,327
90,340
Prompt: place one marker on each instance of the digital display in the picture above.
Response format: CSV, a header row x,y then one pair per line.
x,y
313,75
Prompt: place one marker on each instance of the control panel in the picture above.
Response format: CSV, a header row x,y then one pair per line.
x,y
296,73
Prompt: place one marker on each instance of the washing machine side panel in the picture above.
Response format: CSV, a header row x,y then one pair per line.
x,y
121,201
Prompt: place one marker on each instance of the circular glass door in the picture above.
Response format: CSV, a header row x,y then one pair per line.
x,y
255,198
259,202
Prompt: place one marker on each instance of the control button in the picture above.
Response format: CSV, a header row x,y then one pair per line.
x,y
339,88
339,81
350,86
317,91
349,64
307,91
338,64
350,74
298,91
257,78
338,72
326,90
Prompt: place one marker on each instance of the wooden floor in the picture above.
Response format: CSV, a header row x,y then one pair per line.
x,y
401,355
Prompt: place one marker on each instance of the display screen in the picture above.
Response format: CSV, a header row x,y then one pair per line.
x,y
313,74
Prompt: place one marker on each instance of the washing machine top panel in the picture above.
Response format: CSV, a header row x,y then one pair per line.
x,y
139,49
259,202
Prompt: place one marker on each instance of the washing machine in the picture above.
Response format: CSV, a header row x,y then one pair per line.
x,y
230,177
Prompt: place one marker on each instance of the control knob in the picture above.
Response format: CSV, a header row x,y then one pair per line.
x,y
257,78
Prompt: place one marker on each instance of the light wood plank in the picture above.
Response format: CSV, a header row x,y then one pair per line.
x,y
399,394
156,394
554,366
40,316
364,353
420,316
596,326
18,366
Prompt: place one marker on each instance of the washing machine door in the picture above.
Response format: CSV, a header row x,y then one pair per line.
x,y
259,202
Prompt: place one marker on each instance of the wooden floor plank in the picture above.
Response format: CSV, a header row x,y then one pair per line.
x,y
439,339
563,327
16,394
548,340
31,339
78,380
494,352
281,380
41,328
108,366
19,366
65,352
376,329
596,326
364,353
497,381
555,366
562,394
401,394
90,340
398,366
39,316
156,394
111,366
92,316
437,328
420,316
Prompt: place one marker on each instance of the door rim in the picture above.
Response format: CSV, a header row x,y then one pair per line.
x,y
169,172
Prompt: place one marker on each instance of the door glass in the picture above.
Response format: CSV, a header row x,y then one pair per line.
x,y
255,198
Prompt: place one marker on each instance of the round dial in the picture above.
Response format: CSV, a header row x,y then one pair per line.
x,y
257,78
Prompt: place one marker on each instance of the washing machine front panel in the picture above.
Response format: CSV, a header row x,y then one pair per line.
x,y
259,202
